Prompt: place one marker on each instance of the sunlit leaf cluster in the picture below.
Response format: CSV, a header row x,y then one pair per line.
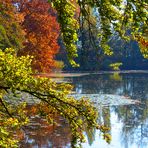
x,y
17,81
115,66
68,25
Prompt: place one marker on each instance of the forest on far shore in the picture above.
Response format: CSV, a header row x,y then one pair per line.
x,y
91,59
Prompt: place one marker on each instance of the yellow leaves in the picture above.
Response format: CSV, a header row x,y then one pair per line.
x,y
106,48
108,52
107,137
115,66
3,131
7,140
14,71
12,121
104,128
69,26
143,43
10,50
53,97
73,63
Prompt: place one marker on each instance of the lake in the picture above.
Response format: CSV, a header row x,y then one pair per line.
x,y
128,122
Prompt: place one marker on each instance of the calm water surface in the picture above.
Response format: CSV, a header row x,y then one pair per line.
x,y
128,123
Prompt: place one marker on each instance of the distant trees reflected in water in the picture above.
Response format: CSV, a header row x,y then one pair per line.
x,y
133,85
39,134
133,118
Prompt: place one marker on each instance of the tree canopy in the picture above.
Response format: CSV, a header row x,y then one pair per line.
x,y
41,33
114,17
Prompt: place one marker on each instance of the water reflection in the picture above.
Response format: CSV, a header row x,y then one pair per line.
x,y
39,134
133,85
128,123
135,124
131,120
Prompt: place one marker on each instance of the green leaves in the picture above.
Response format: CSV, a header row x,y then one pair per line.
x,y
69,25
14,70
16,74
16,78
114,17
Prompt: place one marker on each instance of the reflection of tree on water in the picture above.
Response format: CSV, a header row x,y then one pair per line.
x,y
40,134
116,76
134,85
78,88
134,120
133,117
135,124
106,116
103,119
90,133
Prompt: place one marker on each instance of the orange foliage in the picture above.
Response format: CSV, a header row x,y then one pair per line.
x,y
42,32
11,33
142,40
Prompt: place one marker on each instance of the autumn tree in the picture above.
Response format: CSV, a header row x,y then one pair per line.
x,y
11,33
42,31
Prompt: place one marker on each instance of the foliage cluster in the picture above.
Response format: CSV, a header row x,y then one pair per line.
x,y
69,26
16,80
113,18
11,33
42,32
115,66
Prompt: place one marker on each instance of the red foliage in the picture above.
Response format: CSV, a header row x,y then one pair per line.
x,y
42,31
143,42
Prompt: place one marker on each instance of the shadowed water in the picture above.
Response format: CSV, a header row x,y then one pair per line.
x,y
128,123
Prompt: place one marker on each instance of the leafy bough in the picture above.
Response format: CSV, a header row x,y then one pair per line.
x,y
16,77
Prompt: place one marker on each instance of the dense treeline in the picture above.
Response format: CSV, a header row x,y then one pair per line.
x,y
31,28
92,59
